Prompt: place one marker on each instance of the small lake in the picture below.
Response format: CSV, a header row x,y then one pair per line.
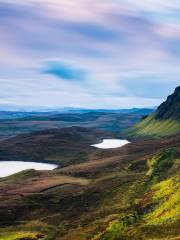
x,y
111,143
8,168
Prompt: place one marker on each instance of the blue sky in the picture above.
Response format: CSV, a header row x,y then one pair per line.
x,y
88,53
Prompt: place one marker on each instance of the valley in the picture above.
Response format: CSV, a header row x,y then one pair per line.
x,y
123,193
89,120
111,121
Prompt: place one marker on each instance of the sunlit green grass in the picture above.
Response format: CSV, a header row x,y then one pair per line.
x,y
31,230
158,128
167,202
19,235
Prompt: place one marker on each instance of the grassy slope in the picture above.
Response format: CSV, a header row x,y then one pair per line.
x,y
157,128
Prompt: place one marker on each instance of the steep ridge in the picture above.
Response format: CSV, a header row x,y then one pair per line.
x,y
164,122
170,108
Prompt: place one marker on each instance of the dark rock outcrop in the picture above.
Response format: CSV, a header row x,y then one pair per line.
x,y
170,108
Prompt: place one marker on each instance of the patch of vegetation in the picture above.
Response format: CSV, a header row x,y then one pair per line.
x,y
116,227
160,163
31,230
20,235
166,200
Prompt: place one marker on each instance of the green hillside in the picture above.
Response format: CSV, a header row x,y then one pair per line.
x,y
164,122
158,128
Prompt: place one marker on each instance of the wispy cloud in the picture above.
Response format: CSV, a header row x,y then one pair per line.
x,y
110,44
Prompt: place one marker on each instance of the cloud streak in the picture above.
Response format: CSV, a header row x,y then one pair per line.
x,y
102,47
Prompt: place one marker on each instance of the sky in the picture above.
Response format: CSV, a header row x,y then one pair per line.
x,y
88,53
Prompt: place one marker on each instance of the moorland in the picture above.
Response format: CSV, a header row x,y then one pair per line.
x,y
131,192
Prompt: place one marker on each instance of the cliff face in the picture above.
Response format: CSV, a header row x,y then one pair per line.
x,y
164,122
170,108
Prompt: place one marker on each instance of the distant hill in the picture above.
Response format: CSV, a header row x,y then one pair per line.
x,y
164,122
62,146
112,121
11,114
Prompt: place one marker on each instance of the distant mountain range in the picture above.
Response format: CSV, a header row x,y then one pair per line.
x,y
30,109
113,121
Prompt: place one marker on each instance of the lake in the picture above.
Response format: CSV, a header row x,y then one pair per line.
x,y
8,168
111,143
